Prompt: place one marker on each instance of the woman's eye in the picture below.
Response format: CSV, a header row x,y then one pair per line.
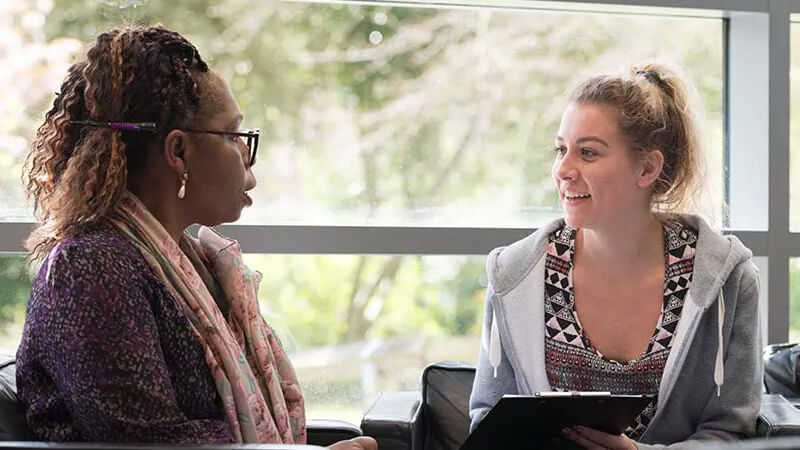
x,y
588,153
559,150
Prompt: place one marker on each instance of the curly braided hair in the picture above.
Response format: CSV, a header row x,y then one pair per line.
x,y
75,174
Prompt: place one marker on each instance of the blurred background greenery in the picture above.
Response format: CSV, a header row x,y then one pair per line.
x,y
370,115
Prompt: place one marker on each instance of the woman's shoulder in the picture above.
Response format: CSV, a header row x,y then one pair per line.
x,y
99,255
95,242
508,265
720,259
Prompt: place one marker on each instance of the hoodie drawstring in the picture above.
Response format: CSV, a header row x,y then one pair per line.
x,y
719,368
494,345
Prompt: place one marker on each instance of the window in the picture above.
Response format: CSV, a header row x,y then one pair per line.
x,y
794,289
794,125
15,285
388,117
378,115
357,325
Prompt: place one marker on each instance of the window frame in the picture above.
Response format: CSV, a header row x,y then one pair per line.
x,y
757,188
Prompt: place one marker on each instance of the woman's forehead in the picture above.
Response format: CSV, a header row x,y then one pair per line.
x,y
217,104
588,118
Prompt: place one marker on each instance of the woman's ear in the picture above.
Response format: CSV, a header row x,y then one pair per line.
x,y
175,150
652,162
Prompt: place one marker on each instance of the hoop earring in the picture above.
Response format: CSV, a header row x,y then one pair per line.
x,y
182,190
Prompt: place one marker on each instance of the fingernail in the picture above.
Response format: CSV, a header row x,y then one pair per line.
x,y
566,431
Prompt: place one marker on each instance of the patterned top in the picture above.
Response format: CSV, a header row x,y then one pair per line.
x,y
571,361
107,355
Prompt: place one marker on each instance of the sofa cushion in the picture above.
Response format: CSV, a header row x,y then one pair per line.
x,y
446,387
781,369
13,426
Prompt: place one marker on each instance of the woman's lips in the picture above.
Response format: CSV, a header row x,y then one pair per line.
x,y
247,199
575,200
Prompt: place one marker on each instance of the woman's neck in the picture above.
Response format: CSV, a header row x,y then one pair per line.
x,y
164,208
632,247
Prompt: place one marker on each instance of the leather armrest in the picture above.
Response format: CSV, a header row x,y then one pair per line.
x,y
795,401
395,421
325,432
27,445
777,417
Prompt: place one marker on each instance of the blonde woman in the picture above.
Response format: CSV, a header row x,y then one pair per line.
x,y
626,293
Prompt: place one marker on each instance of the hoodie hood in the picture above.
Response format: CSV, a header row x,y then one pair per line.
x,y
715,258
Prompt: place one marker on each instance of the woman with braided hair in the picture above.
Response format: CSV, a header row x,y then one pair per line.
x,y
135,330
630,292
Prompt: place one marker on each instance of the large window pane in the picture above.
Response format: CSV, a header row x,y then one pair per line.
x,y
375,114
794,300
15,286
352,325
357,325
794,127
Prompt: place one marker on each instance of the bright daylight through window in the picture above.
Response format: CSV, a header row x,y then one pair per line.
x,y
369,115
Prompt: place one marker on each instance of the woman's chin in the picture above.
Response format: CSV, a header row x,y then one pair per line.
x,y
574,221
234,216
220,219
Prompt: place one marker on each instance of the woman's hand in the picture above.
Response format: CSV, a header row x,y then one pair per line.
x,y
596,440
359,443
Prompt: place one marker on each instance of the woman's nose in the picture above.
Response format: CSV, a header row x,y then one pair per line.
x,y
564,168
249,179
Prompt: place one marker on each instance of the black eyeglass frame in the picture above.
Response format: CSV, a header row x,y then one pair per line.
x,y
251,135
150,127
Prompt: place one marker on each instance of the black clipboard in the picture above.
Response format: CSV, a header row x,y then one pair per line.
x,y
535,422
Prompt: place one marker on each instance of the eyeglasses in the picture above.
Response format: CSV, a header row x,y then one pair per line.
x,y
251,136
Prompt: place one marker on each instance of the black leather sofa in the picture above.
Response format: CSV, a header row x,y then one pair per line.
x,y
437,418
15,434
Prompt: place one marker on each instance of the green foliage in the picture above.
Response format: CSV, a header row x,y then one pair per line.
x,y
794,300
383,115
14,285
323,300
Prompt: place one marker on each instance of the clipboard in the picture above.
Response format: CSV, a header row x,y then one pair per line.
x,y
535,422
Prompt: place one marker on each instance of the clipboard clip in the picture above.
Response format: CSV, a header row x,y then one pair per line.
x,y
562,394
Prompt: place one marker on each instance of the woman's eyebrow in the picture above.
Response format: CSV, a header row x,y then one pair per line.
x,y
236,121
591,139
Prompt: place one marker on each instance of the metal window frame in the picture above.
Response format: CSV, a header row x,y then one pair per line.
x,y
757,150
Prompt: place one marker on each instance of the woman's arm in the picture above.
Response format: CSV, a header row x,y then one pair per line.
x,y
488,389
732,415
95,334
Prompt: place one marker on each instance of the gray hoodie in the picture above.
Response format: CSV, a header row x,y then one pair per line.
x,y
711,385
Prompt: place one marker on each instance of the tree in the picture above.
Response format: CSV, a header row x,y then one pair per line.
x,y
387,115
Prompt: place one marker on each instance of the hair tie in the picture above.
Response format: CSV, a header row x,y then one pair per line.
x,y
655,78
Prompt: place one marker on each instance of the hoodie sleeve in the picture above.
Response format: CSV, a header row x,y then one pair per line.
x,y
489,385
732,415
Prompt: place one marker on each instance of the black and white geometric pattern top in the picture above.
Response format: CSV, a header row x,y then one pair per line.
x,y
572,364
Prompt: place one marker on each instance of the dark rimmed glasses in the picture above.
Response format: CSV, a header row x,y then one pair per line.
x,y
250,136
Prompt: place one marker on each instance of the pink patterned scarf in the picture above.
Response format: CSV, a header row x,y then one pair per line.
x,y
260,394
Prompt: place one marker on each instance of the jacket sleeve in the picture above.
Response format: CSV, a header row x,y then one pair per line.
x,y
94,333
732,415
487,389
